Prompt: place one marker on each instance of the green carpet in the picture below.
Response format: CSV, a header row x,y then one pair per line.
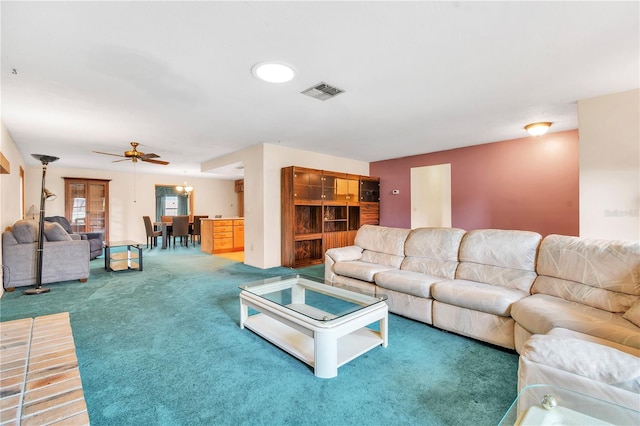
x,y
163,347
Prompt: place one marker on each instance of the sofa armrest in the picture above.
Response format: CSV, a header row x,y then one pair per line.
x,y
586,359
585,367
345,254
92,235
339,254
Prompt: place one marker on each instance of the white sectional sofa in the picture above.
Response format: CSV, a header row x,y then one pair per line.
x,y
516,290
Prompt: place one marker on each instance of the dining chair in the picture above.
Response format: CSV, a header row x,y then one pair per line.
x,y
166,219
196,231
152,236
180,229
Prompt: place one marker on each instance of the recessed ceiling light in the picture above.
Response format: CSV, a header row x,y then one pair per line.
x,y
273,72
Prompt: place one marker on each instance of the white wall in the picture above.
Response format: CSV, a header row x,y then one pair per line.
x,y
262,165
9,186
131,197
10,183
610,166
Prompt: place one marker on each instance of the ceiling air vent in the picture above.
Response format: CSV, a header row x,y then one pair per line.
x,y
322,91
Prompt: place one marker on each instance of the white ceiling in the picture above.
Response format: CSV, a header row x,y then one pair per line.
x,y
419,76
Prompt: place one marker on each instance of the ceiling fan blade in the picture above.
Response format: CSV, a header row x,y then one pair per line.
x,y
164,163
117,161
150,155
108,153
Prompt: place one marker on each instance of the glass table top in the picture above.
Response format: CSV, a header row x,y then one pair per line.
x,y
312,297
121,243
553,405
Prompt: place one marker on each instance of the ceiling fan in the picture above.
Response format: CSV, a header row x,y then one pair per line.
x,y
135,155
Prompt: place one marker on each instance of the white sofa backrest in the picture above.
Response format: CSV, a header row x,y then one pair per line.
x,y
500,257
381,244
604,274
433,251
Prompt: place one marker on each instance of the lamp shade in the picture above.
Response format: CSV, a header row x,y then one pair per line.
x,y
48,195
537,129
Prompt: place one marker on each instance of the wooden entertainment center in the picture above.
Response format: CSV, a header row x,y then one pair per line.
x,y
323,209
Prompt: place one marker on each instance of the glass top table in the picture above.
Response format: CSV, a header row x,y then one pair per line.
x,y
323,325
311,297
122,255
553,405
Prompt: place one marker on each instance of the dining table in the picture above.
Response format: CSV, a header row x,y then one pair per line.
x,y
166,228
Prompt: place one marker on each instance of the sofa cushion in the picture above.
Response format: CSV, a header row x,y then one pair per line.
x,y
55,232
382,239
584,294
63,221
500,257
597,273
409,282
384,259
597,362
433,251
633,314
364,271
477,296
540,313
25,231
566,333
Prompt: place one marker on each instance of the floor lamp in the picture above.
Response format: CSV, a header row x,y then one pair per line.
x,y
44,195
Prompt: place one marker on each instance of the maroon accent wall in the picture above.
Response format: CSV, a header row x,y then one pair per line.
x,y
528,184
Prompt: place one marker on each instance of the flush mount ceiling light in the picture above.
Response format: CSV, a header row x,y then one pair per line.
x,y
273,72
538,129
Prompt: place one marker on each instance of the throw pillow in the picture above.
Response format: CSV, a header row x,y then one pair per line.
x,y
55,232
633,313
25,231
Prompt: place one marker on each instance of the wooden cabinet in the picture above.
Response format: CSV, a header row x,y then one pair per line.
x,y
238,234
320,210
87,205
222,235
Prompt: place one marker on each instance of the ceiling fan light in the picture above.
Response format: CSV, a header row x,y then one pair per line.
x,y
538,129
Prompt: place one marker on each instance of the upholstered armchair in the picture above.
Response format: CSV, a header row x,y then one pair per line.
x,y
96,239
65,257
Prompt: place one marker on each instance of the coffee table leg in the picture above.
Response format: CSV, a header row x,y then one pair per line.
x,y
326,355
244,313
384,331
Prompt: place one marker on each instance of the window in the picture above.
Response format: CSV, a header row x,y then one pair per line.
x,y
171,205
78,211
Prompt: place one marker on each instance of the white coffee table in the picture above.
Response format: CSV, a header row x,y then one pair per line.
x,y
322,325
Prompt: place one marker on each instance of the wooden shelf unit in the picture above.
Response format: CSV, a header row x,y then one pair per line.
x,y
322,210
87,205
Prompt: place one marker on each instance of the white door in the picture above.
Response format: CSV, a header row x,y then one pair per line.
x,y
431,196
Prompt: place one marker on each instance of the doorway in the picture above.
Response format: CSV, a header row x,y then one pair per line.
x,y
431,196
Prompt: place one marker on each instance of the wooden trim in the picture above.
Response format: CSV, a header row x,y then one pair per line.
x,y
5,165
22,201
